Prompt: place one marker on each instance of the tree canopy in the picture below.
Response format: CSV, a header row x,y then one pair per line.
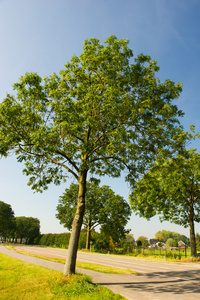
x,y
102,207
105,113
164,235
171,189
27,228
142,241
7,219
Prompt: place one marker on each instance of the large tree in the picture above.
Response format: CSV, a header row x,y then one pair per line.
x,y
172,189
101,115
7,219
102,207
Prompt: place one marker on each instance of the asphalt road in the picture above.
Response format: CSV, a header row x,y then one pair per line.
x,y
155,281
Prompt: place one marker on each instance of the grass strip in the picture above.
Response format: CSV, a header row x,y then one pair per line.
x,y
21,280
79,264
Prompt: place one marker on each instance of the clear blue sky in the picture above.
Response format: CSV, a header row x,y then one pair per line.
x,y
42,35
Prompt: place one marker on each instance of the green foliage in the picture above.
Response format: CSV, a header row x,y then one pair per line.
x,y
171,188
60,240
101,114
116,213
198,240
127,244
27,228
101,243
82,240
171,243
164,235
142,241
7,220
102,208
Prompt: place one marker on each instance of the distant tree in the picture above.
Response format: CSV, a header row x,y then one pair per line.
x,y
102,208
7,219
184,239
128,242
129,238
161,236
164,235
27,228
142,241
104,114
171,243
171,188
102,242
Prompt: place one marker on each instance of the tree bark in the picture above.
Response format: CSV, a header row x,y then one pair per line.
x,y
70,263
192,233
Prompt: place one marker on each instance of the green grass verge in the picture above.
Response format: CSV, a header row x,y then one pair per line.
x,y
83,265
104,269
20,280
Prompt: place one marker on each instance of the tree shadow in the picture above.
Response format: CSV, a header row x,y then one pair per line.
x,y
176,283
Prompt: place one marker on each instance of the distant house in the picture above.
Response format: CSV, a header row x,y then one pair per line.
x,y
153,242
181,244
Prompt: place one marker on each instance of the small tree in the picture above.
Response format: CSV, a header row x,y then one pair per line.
x,y
102,115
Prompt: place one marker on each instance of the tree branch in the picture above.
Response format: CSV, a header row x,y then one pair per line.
x,y
68,159
114,158
64,166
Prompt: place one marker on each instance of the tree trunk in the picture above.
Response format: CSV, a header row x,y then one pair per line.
x,y
88,236
70,263
192,233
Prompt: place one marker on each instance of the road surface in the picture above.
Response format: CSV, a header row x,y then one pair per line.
x,y
154,281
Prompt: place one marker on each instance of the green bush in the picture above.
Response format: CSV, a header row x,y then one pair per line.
x,y
54,240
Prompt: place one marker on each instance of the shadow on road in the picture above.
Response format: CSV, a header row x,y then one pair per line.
x,y
176,283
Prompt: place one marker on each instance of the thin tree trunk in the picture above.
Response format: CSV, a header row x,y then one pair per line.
x,y
70,263
192,233
88,235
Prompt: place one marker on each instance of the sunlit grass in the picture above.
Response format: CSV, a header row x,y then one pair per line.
x,y
83,265
20,280
104,269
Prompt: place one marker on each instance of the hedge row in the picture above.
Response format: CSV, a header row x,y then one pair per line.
x,y
60,240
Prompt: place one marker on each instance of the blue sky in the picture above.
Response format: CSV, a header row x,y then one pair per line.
x,y
42,35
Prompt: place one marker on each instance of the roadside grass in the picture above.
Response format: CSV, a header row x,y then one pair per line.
x,y
104,269
143,257
171,257
20,280
79,264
